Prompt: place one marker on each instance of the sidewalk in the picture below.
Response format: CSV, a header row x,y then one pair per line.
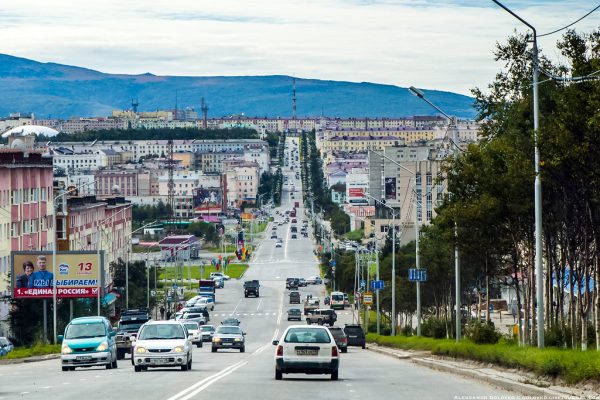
x,y
521,382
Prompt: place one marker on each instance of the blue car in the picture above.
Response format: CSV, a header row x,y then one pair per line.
x,y
6,346
88,342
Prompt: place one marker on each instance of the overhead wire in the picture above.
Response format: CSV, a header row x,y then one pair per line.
x,y
571,24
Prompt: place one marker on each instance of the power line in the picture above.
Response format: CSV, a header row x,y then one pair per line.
x,y
571,24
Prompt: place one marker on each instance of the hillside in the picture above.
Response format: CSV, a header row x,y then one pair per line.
x,y
63,91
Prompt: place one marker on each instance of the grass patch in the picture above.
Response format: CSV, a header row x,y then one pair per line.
x,y
37,349
229,248
571,365
235,271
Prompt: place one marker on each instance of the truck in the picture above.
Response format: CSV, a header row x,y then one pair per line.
x,y
310,305
252,288
207,289
127,329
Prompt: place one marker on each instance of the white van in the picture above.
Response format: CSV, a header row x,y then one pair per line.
x,y
337,300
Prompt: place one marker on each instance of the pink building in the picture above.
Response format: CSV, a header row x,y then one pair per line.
x,y
26,209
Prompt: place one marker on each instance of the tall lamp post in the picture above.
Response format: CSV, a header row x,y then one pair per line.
x,y
54,269
451,121
393,260
539,271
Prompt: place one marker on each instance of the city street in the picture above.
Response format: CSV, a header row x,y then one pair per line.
x,y
230,374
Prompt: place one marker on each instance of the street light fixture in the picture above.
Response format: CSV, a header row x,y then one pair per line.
x,y
452,121
539,271
393,260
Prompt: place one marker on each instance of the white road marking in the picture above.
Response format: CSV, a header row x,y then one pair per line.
x,y
203,384
24,393
244,314
66,383
259,303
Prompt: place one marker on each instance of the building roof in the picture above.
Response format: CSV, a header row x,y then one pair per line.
x,y
26,130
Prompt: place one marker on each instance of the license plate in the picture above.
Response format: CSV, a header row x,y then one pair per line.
x,y
83,358
353,337
307,352
159,361
227,344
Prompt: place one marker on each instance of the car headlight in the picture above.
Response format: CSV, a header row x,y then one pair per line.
x,y
66,349
178,349
140,349
216,339
237,339
102,347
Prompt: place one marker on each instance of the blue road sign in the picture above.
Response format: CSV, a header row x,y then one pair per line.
x,y
377,285
175,286
333,263
363,283
417,275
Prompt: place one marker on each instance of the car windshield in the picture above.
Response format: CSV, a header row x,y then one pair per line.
x,y
130,326
191,316
353,329
193,326
162,331
229,330
83,331
307,335
337,297
207,328
4,341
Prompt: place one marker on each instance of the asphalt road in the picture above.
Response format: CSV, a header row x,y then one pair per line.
x,y
229,374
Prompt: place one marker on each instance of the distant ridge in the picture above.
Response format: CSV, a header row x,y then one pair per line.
x,y
63,91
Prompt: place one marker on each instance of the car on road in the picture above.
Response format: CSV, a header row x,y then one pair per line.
x,y
219,274
194,333
356,335
279,243
302,282
292,283
322,316
163,344
295,298
340,338
201,310
196,317
308,350
229,337
230,322
294,236
294,314
314,280
88,342
219,282
6,346
205,302
274,235
207,332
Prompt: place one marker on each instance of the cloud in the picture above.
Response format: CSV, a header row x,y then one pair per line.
x,y
446,45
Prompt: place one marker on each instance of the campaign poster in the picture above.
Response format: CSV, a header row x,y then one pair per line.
x,y
77,274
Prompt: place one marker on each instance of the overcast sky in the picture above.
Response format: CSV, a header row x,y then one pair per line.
x,y
433,44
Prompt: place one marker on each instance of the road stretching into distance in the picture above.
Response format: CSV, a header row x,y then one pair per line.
x,y
229,374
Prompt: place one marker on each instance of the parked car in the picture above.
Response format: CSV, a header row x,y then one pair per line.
x,y
356,335
163,344
207,332
6,346
229,337
340,338
306,349
294,314
88,342
230,322
193,329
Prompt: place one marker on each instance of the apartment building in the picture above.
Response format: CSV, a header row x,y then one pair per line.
x,y
240,181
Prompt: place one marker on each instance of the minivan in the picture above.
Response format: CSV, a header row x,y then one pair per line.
x,y
295,297
356,335
88,342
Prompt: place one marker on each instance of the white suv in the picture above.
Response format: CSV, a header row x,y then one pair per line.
x,y
306,349
163,344
219,275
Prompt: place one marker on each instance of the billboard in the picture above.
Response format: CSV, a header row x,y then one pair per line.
x,y
390,188
77,274
208,199
360,211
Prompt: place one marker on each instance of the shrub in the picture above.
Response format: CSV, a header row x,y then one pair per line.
x,y
483,333
407,331
434,327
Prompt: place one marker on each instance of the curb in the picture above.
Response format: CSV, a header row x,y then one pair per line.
x,y
30,359
499,382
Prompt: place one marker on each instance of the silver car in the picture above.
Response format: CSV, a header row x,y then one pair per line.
x,y
163,344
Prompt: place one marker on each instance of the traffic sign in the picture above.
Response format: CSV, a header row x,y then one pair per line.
x,y
357,294
174,286
367,298
377,285
333,263
417,275
362,283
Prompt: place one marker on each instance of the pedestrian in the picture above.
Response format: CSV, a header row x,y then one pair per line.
x,y
169,314
162,312
513,310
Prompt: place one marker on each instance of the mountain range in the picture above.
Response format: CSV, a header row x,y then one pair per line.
x,y
64,91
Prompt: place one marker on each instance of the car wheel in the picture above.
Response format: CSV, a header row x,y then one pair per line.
x,y
320,322
243,349
308,321
120,354
114,364
214,350
364,346
109,365
334,375
65,369
190,365
137,368
278,375
185,367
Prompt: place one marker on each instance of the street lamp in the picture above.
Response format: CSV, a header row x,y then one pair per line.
x,y
54,269
452,122
539,271
393,260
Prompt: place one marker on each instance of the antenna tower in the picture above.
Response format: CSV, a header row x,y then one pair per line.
x,y
294,100
176,106
134,105
204,108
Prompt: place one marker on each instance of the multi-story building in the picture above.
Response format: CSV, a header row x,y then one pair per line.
x,y
418,186
26,209
240,181
123,182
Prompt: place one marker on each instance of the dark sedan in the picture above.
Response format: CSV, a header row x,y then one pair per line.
x,y
229,337
230,322
294,314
